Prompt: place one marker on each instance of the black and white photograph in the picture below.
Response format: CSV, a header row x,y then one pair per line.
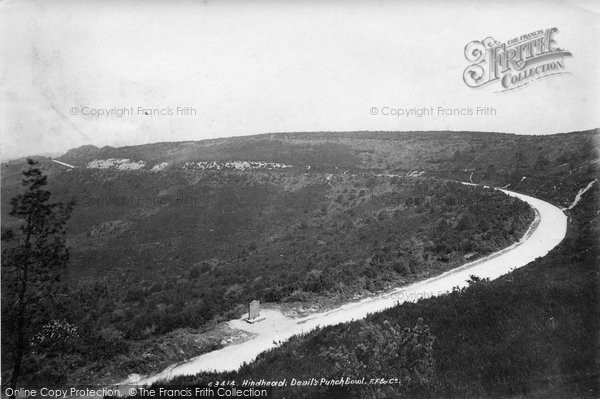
x,y
300,199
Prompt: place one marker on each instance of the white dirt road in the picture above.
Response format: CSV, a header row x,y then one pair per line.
x,y
545,233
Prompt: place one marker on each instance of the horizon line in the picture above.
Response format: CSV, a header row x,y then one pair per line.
x,y
54,156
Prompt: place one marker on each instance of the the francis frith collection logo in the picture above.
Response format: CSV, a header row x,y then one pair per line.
x,y
515,63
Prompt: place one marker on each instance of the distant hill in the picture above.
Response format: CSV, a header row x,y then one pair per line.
x,y
533,164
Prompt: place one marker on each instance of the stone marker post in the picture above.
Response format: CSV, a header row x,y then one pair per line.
x,y
254,310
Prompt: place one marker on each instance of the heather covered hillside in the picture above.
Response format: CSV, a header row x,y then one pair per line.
x,y
169,239
532,333
546,161
554,165
153,253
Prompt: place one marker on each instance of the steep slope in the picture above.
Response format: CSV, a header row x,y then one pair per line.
x,y
155,250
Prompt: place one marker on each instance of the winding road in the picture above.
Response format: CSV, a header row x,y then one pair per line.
x,y
546,232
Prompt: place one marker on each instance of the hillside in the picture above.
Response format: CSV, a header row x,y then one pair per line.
x,y
553,165
193,249
502,159
532,333
168,239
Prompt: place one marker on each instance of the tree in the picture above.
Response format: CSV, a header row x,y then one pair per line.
x,y
33,257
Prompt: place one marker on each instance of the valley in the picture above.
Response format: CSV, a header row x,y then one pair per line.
x,y
170,241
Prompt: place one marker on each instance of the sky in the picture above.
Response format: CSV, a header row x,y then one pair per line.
x,y
246,67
